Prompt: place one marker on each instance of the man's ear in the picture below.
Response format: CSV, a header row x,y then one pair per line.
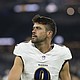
x,y
50,33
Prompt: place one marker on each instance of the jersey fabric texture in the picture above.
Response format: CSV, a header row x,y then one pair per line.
x,y
39,66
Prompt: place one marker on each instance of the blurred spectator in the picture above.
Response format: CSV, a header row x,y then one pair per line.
x,y
5,77
74,77
0,77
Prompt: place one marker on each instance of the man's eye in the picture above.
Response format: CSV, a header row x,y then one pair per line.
x,y
38,28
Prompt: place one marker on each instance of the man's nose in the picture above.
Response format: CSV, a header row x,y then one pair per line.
x,y
34,30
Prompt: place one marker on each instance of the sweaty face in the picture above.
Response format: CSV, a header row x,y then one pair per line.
x,y
39,33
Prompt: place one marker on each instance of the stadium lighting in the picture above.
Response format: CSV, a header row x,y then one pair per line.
x,y
79,10
7,41
51,7
70,11
59,39
26,8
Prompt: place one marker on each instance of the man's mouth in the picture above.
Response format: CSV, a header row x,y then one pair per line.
x,y
33,36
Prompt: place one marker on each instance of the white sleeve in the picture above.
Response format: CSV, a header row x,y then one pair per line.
x,y
67,54
18,50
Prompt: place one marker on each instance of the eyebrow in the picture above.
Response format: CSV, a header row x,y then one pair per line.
x,y
36,26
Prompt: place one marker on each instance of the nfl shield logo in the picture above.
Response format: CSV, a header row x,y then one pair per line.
x,y
43,57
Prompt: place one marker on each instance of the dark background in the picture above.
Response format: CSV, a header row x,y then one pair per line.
x,y
18,25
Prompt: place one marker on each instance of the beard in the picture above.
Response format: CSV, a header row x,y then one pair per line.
x,y
38,40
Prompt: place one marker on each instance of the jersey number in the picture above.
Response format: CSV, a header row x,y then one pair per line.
x,y
42,74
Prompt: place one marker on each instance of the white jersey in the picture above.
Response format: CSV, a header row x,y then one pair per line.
x,y
39,66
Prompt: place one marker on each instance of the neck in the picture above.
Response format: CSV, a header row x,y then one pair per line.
x,y
43,47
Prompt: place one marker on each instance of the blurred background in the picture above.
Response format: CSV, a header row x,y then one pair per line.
x,y
16,25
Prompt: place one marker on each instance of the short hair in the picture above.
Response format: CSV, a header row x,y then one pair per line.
x,y
46,21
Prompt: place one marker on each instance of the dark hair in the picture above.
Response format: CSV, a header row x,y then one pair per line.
x,y
46,21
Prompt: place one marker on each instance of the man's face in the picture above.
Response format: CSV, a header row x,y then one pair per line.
x,y
39,33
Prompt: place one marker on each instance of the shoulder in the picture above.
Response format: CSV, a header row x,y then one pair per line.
x,y
22,45
61,47
63,51
21,48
